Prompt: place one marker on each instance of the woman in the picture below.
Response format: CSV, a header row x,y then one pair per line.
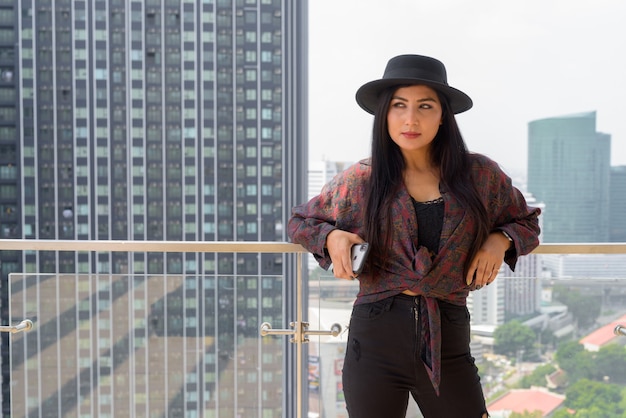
x,y
439,222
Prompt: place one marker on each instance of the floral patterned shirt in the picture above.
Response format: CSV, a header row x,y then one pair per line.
x,y
341,205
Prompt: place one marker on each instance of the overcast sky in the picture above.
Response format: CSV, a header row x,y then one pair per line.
x,y
518,60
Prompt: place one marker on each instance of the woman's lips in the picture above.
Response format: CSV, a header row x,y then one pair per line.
x,y
411,134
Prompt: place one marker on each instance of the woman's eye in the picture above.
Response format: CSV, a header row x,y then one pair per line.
x,y
426,106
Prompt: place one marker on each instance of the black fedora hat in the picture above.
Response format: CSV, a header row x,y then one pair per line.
x,y
408,70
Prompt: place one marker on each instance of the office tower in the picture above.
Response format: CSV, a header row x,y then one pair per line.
x,y
617,207
486,305
568,170
320,173
522,294
518,292
154,120
512,294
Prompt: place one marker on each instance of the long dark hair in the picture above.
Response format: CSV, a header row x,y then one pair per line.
x,y
448,152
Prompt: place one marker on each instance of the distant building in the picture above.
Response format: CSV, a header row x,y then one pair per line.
x,y
568,170
522,292
513,293
605,266
321,172
617,207
486,305
526,400
603,336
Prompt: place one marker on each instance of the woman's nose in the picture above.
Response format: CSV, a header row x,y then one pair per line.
x,y
412,117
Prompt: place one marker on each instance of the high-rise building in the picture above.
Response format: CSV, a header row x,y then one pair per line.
x,y
617,220
568,170
155,120
486,305
320,173
515,293
522,295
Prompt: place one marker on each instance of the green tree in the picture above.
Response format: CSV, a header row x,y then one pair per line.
x,y
514,336
594,412
587,397
562,413
584,308
537,377
527,414
622,403
575,361
610,361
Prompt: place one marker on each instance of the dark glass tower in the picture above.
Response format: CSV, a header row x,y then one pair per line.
x,y
153,120
617,220
568,170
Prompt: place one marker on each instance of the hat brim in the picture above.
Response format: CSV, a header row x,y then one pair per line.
x,y
367,95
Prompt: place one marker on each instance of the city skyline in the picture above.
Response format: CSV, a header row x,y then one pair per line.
x,y
518,62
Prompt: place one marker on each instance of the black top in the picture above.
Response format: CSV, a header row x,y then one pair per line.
x,y
429,223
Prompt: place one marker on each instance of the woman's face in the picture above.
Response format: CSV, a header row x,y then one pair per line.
x,y
414,117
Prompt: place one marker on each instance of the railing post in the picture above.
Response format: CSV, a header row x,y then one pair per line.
x,y
299,336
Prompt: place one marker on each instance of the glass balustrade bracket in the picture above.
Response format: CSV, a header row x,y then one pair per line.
x,y
300,331
25,325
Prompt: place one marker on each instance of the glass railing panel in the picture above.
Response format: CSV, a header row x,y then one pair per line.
x,y
146,345
330,302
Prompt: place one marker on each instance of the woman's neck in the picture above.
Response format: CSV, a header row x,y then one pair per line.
x,y
422,182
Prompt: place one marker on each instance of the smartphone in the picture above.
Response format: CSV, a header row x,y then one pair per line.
x,y
359,254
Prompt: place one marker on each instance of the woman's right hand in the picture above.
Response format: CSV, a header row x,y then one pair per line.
x,y
339,244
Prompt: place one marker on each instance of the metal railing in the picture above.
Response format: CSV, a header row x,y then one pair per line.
x,y
300,327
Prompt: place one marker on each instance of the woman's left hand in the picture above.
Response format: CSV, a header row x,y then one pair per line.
x,y
488,259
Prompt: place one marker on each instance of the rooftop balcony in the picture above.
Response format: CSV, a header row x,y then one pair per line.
x,y
199,345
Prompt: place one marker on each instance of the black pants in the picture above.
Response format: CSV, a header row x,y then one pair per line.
x,y
383,363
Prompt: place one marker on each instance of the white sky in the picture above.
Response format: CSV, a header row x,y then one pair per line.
x,y
519,61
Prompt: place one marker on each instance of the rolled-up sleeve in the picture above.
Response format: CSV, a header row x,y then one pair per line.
x,y
508,211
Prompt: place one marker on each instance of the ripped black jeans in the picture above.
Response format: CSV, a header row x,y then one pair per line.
x,y
382,364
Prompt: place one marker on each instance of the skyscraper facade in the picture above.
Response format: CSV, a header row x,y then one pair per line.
x,y
568,170
523,286
154,120
617,220
487,305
